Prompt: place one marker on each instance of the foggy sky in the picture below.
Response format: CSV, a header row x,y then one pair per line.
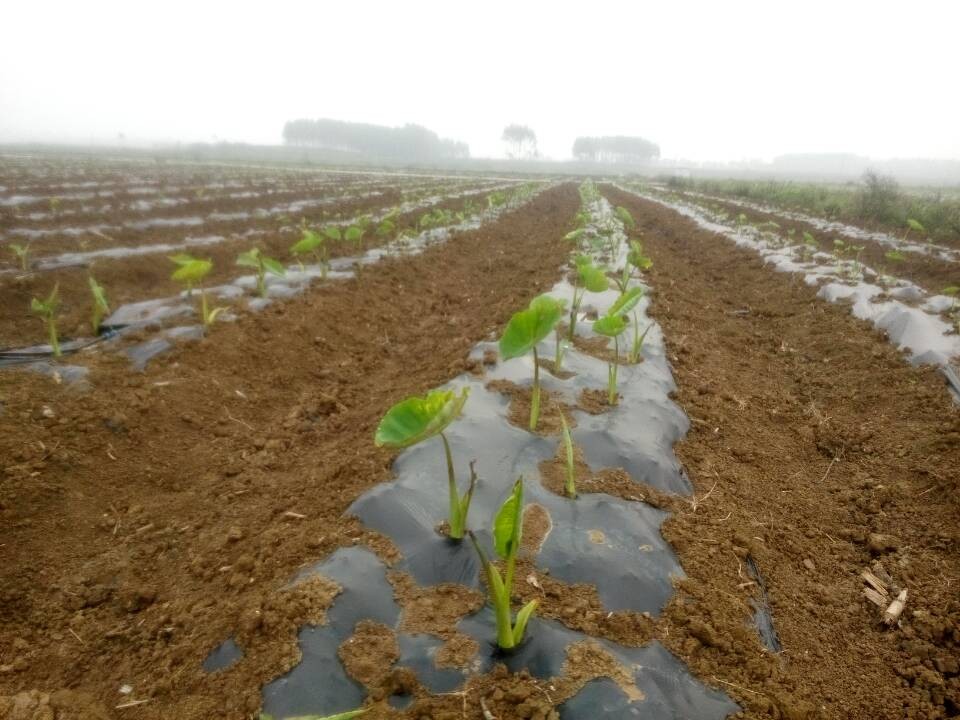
x,y
706,80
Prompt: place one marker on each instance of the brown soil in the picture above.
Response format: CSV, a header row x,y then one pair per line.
x,y
144,277
810,433
930,273
146,522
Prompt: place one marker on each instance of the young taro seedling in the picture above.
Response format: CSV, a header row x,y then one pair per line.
x,y
100,307
419,418
809,247
507,533
47,310
525,329
22,253
190,270
625,217
638,337
915,226
262,265
313,243
592,279
612,325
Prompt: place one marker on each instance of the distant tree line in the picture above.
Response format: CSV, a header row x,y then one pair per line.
x,y
615,149
521,141
410,142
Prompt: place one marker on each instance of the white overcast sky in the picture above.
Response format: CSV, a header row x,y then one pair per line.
x,y
707,80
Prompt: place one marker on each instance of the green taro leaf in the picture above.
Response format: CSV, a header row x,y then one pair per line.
x,y
593,278
625,217
99,296
353,234
508,522
610,325
273,266
308,243
418,418
332,232
894,256
951,290
192,271
574,235
914,225
528,327
250,258
808,238
626,302
522,618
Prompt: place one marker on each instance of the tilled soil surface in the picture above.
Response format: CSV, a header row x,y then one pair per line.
x,y
817,451
145,522
144,277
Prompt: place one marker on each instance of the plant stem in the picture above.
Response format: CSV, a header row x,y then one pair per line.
x,y
456,520
612,373
261,281
535,399
54,340
558,357
574,307
570,487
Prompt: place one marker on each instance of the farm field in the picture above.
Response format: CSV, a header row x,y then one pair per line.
x,y
738,451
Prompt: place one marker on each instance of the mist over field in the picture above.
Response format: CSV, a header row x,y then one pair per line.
x,y
748,83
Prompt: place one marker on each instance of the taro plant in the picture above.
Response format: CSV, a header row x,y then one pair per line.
x,y
525,329
313,243
915,226
638,337
190,270
416,419
624,216
570,477
591,279
22,254
809,246
262,265
507,534
47,311
612,325
100,306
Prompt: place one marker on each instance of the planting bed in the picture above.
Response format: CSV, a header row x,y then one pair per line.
x,y
215,534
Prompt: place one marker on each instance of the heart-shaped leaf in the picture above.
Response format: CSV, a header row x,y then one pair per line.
x,y
528,327
610,325
593,278
192,271
418,418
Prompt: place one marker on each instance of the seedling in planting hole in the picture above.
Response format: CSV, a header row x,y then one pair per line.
x,y
354,234
638,338
592,279
47,310
100,306
419,418
894,256
810,246
207,314
612,325
22,253
315,243
570,482
915,226
388,225
507,534
333,233
625,217
637,257
525,329
262,264
190,270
